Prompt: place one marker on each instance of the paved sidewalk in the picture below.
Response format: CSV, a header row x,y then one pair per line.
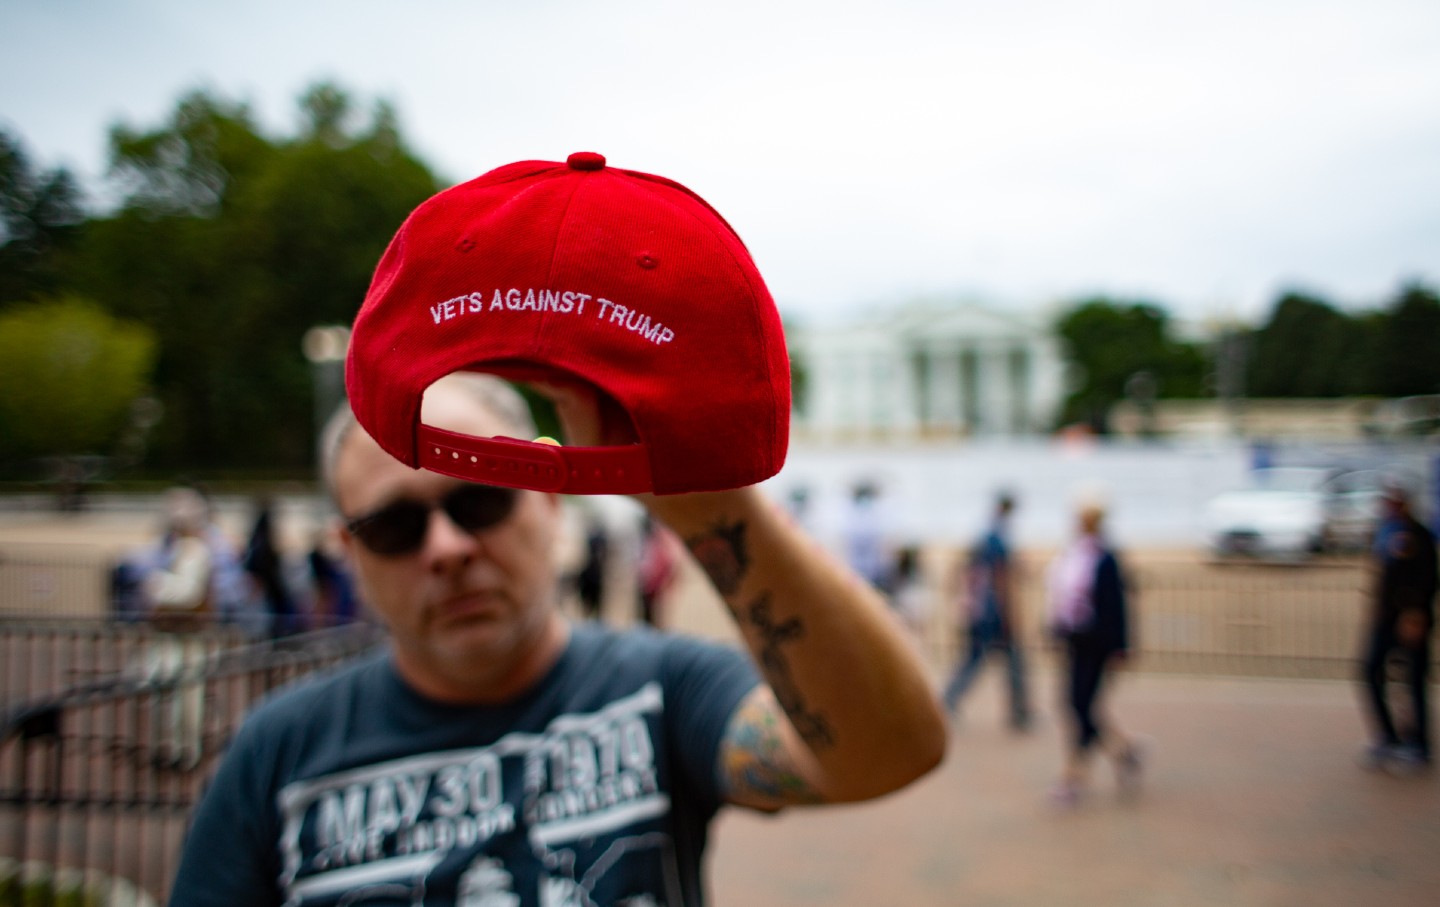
x,y
1253,797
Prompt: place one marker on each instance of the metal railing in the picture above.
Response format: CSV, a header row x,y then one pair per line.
x,y
97,782
1234,619
43,655
1251,620
55,583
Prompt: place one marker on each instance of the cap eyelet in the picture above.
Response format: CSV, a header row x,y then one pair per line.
x,y
647,261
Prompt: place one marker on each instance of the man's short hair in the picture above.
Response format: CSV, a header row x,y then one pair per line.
x,y
497,397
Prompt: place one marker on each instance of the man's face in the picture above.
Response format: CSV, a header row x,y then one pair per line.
x,y
472,615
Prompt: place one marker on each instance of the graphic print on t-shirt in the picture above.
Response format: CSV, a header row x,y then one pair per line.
x,y
573,815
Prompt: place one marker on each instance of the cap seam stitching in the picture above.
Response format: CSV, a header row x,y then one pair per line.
x,y
563,222
652,187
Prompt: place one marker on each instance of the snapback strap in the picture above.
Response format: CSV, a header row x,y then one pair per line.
x,y
623,469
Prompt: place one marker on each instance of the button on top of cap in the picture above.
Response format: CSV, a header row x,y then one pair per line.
x,y
586,160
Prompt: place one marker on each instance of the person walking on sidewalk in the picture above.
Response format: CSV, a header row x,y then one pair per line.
x,y
1088,613
988,591
1402,615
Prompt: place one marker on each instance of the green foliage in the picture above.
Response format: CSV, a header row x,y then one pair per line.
x,y
1407,344
1110,342
68,376
1308,348
230,245
40,885
40,217
547,420
799,371
187,166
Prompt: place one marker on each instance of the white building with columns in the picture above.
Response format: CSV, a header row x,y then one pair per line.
x,y
928,371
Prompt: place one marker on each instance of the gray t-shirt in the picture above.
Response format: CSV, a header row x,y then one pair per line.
x,y
595,787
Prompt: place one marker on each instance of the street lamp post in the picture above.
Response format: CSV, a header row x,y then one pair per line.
x,y
324,346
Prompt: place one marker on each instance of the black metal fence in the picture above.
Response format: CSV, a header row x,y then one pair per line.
x,y
97,780
42,655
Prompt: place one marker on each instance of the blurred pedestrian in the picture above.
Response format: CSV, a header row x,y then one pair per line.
x,y
1088,613
659,566
867,542
265,565
177,587
331,585
71,485
912,594
590,578
177,593
987,593
1402,615
798,504
232,593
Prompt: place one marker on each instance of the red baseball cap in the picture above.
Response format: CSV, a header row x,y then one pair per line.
x,y
627,281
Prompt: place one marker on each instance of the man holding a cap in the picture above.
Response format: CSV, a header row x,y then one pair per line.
x,y
496,753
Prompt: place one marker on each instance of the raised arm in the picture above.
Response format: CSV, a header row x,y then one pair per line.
x,y
847,711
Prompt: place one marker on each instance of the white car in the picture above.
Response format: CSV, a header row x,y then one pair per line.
x,y
1282,513
1353,504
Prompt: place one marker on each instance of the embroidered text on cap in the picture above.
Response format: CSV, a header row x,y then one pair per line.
x,y
614,278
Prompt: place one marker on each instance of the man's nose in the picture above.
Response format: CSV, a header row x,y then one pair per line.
x,y
447,544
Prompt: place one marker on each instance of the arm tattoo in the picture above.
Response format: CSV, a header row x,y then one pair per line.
x,y
813,727
723,555
755,759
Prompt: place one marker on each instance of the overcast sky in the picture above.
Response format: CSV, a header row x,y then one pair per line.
x,y
1204,155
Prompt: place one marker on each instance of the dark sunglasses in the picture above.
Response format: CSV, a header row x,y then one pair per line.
x,y
400,526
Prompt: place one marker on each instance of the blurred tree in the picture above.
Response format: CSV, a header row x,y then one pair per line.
x,y
1405,357
69,374
40,217
1309,349
799,371
327,110
187,166
1110,342
231,245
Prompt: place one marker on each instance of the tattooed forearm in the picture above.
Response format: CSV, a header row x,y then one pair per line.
x,y
813,727
722,553
755,759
